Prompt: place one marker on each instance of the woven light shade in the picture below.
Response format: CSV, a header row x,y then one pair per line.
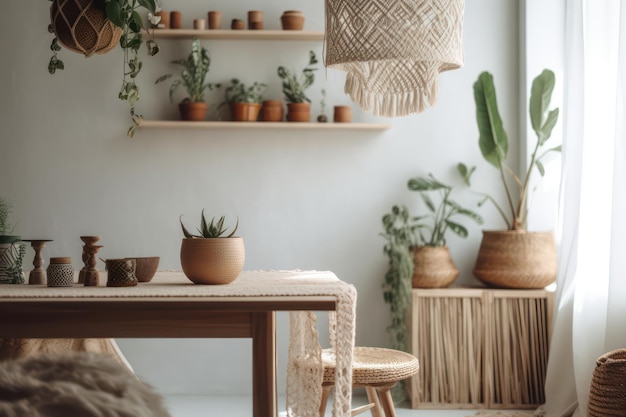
x,y
394,50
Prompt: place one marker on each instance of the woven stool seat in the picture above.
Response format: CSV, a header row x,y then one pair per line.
x,y
376,369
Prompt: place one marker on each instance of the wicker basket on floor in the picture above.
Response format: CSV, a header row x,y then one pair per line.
x,y
607,396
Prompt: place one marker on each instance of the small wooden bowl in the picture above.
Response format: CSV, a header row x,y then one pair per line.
x,y
146,267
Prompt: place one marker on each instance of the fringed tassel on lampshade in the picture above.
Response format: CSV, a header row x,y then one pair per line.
x,y
393,50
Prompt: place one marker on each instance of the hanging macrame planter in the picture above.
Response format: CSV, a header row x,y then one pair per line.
x,y
82,26
393,50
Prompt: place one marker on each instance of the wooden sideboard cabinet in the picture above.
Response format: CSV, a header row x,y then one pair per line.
x,y
479,348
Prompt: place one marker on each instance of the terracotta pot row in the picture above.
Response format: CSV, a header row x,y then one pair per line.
x,y
290,20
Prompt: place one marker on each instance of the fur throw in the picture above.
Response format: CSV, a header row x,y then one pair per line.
x,y
79,384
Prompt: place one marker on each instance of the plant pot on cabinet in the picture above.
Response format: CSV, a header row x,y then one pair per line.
x,y
516,259
212,260
299,112
433,267
82,26
193,111
245,112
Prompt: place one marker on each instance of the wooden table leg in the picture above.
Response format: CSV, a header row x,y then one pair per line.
x,y
264,396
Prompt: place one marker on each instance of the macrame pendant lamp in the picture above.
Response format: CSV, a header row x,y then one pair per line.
x,y
393,50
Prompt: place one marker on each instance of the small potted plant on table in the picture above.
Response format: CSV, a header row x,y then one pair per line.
x,y
210,256
192,77
298,104
245,102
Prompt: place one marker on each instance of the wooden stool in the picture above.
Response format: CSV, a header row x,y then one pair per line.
x,y
376,369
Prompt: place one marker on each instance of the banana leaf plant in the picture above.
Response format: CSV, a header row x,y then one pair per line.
x,y
494,145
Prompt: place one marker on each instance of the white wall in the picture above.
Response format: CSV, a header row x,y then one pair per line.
x,y
308,200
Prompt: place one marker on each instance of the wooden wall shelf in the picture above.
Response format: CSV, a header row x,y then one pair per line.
x,y
228,34
179,124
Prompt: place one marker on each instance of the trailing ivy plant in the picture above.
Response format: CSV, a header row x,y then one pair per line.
x,y
124,14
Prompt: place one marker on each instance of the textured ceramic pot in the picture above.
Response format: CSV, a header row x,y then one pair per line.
x,y
60,272
516,259
193,111
272,111
299,112
215,19
255,16
12,252
212,261
245,112
121,272
292,20
433,267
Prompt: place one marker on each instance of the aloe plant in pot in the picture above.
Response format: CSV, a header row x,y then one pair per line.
x,y
192,77
212,256
515,258
12,250
294,86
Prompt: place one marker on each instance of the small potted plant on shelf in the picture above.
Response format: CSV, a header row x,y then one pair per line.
x,y
298,104
12,250
192,77
322,118
515,258
244,101
96,27
211,256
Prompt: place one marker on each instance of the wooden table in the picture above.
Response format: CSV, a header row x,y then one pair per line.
x,y
170,306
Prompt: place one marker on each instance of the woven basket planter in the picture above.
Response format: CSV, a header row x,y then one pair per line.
x,y
433,267
82,26
516,259
607,395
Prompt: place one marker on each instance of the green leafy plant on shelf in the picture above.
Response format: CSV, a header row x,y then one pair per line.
x,y
124,14
209,230
194,71
294,85
238,92
493,142
6,207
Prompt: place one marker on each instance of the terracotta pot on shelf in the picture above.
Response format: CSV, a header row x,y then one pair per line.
x,y
255,17
215,19
199,24
237,24
176,20
272,111
193,111
245,112
298,112
342,114
292,20
164,23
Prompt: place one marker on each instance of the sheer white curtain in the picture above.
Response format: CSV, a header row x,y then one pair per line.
x,y
591,299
